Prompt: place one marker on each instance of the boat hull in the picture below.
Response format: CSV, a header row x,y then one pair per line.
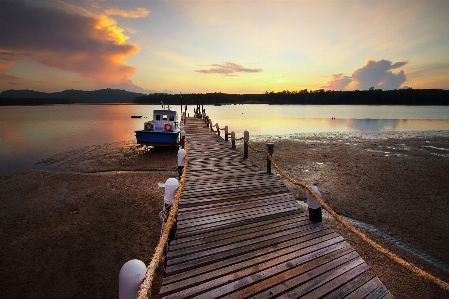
x,y
156,138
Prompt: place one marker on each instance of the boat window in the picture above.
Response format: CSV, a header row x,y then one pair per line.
x,y
172,118
158,117
164,117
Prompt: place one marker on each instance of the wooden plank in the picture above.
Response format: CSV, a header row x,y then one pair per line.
x,y
247,229
365,289
231,265
346,288
227,284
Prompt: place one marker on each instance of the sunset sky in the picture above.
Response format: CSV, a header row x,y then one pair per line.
x,y
231,46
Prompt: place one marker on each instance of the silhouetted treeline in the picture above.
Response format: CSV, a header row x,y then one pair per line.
x,y
318,97
33,101
206,99
70,96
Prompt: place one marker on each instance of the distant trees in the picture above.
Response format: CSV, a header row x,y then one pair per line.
x,y
302,97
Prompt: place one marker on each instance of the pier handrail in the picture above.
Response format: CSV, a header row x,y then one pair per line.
x,y
146,286
410,266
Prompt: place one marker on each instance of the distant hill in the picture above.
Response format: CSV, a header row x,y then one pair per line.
x,y
70,96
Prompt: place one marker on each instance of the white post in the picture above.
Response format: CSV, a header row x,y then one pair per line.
x,y
183,137
314,206
181,156
171,185
130,278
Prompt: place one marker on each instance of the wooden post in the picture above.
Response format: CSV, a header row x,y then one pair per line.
x,y
245,145
130,278
270,150
210,123
233,140
218,128
226,133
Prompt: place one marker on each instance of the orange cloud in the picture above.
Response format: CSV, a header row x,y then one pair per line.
x,y
92,46
228,69
138,13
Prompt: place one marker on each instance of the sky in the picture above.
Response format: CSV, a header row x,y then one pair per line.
x,y
230,46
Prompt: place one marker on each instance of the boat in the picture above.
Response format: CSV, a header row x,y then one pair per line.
x,y
136,116
163,130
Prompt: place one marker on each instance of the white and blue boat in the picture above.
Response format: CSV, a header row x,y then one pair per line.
x,y
163,130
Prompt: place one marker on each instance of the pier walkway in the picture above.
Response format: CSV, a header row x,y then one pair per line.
x,y
240,233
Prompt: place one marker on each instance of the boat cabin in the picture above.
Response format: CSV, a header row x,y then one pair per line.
x,y
163,117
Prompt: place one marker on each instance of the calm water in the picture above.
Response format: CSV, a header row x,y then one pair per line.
x,y
31,133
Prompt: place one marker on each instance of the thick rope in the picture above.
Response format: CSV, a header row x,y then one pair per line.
x,y
412,267
145,287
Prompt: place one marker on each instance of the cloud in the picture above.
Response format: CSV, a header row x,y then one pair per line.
x,y
378,75
339,82
375,74
92,46
7,59
228,69
11,80
138,13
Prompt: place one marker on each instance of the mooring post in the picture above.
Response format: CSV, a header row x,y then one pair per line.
x,y
245,144
233,140
181,156
210,123
218,128
270,150
314,206
171,185
183,138
130,278
226,133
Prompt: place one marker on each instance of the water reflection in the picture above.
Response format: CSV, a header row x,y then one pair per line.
x,y
281,126
31,133
28,134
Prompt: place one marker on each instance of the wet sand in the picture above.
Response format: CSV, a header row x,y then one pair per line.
x,y
66,234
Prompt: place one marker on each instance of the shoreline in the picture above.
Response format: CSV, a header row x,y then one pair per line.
x,y
82,227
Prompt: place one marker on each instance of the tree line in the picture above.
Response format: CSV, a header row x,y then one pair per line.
x,y
305,97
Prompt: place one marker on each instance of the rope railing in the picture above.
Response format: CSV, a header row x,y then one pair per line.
x,y
410,266
146,286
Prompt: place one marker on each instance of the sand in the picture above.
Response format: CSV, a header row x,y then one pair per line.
x,y
66,233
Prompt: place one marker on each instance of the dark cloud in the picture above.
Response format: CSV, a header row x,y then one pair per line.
x,y
378,74
375,74
228,69
90,46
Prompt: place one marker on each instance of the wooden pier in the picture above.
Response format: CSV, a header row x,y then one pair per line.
x,y
241,234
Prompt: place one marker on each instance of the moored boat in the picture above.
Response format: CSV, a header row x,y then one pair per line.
x,y
163,130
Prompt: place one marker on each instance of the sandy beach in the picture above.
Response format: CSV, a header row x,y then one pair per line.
x,y
66,233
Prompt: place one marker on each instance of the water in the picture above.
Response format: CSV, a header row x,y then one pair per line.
x,y
31,133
